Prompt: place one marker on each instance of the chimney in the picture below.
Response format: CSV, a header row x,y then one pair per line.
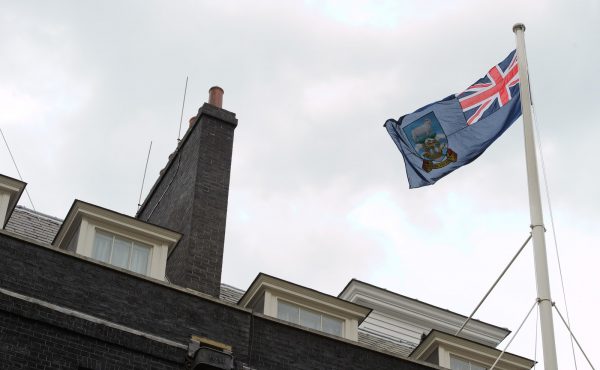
x,y
191,196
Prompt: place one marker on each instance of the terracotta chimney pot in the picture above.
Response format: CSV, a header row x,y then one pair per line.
x,y
192,121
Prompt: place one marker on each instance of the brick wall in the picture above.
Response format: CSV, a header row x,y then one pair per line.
x,y
30,333
34,337
191,198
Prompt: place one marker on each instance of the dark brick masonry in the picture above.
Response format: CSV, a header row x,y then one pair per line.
x,y
34,336
191,198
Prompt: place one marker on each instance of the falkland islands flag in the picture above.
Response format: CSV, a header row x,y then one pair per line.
x,y
445,135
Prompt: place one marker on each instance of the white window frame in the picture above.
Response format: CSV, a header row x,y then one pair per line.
x,y
158,252
272,296
132,243
78,231
467,360
265,291
307,308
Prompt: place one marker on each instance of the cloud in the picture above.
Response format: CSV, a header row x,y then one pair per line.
x,y
318,191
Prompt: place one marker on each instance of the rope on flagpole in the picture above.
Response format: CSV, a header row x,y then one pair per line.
x,y
573,336
514,335
535,347
493,285
547,189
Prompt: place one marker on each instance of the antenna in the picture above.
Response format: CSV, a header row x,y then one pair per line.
x,y
17,168
144,178
182,106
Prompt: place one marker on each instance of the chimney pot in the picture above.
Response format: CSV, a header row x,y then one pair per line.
x,y
215,96
192,121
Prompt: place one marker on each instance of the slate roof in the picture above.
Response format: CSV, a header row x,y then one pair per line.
x,y
385,345
33,225
230,294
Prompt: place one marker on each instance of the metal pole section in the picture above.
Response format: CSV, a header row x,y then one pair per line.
x,y
493,286
535,210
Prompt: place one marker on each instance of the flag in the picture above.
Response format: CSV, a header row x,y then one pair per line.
x,y
443,136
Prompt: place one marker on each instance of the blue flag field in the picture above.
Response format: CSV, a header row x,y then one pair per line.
x,y
443,136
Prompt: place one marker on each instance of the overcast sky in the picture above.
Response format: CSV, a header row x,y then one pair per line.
x,y
318,190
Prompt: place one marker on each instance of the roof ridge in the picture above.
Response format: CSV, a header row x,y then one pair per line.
x,y
39,214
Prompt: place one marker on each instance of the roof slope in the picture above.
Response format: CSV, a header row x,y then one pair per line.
x,y
230,294
33,225
384,345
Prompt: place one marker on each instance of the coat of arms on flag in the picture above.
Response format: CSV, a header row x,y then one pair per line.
x,y
445,135
430,142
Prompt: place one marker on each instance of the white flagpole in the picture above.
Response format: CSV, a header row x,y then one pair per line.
x,y
535,210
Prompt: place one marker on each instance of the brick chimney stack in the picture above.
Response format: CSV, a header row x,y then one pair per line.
x,y
191,197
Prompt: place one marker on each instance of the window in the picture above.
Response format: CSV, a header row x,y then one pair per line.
x,y
296,304
309,318
103,235
460,364
121,252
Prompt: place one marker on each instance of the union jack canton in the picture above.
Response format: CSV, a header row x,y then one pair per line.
x,y
491,92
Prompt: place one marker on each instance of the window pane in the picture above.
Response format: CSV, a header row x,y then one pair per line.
x,y
460,364
287,312
120,255
139,258
102,244
310,319
332,325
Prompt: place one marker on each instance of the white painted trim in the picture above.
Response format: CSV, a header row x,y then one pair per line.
x,y
419,313
158,253
444,357
351,329
321,301
12,188
87,218
347,331
85,241
4,201
158,269
272,290
127,225
450,345
270,304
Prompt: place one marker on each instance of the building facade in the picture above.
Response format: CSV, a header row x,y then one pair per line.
x,y
103,290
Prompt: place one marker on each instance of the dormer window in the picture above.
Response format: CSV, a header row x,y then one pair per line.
x,y
456,353
116,239
304,307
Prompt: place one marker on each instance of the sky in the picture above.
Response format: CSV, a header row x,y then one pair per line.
x,y
318,191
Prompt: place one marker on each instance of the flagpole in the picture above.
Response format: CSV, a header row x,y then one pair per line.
x,y
535,210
